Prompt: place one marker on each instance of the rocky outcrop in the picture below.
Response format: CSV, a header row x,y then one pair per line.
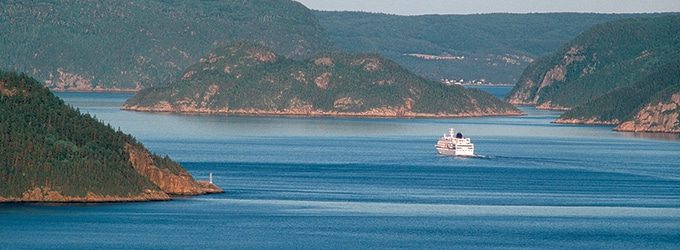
x,y
591,121
527,92
179,183
660,117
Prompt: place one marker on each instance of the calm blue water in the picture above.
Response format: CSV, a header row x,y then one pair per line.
x,y
378,183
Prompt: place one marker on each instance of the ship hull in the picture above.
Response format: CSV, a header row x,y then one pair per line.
x,y
453,152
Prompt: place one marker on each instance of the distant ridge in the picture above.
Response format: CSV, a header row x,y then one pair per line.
x,y
250,79
489,48
118,45
53,153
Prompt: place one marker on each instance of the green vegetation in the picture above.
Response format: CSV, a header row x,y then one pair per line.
x,y
607,56
91,45
495,47
47,144
622,103
127,45
250,78
624,73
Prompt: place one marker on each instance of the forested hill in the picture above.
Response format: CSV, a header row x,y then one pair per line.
x,y
607,74
94,45
53,153
250,79
495,48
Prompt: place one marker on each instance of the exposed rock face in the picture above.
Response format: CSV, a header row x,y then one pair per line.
x,y
661,117
181,183
527,92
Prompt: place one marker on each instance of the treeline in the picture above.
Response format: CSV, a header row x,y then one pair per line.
x,y
47,144
232,77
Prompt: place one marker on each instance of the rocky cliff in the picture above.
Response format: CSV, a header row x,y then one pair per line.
x,y
657,116
250,79
178,183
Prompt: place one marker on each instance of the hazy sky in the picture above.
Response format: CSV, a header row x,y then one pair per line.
x,y
419,7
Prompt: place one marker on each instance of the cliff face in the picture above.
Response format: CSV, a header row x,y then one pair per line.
x,y
180,183
250,79
532,89
660,117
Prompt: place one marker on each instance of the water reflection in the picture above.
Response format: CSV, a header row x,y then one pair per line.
x,y
653,136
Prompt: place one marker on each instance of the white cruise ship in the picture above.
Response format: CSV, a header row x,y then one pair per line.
x,y
455,145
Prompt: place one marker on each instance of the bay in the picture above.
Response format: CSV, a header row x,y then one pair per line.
x,y
329,183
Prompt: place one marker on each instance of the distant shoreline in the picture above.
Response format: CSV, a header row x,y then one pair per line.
x,y
132,91
488,85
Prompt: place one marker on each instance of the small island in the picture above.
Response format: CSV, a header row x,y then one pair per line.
x,y
246,78
53,153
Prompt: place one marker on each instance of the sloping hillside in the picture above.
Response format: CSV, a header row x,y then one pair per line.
x,y
251,79
619,104
116,45
625,71
607,56
53,153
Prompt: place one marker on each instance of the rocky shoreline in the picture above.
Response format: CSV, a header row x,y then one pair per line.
x,y
170,184
662,117
376,113
45,195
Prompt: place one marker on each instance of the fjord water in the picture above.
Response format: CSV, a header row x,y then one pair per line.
x,y
378,183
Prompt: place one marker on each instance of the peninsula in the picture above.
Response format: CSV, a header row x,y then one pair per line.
x,y
53,153
624,73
